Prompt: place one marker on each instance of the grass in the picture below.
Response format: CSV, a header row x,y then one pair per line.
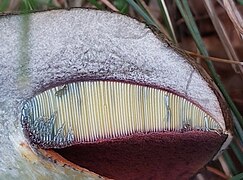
x,y
142,10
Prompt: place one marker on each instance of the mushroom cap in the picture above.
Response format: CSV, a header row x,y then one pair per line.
x,y
45,49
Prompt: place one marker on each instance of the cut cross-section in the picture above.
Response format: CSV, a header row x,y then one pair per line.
x,y
96,110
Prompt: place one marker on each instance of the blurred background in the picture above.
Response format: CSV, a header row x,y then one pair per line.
x,y
209,30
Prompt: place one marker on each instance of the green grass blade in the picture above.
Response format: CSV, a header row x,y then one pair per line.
x,y
141,12
28,5
238,128
230,163
237,152
143,8
4,5
237,177
166,19
96,4
122,6
240,2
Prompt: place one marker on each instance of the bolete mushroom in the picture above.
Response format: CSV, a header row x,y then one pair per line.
x,y
104,92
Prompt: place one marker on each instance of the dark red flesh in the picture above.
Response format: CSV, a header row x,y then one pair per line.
x,y
162,155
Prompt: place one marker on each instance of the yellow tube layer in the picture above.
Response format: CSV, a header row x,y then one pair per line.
x,y
105,109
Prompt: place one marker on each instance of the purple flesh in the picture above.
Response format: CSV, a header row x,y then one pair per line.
x,y
162,155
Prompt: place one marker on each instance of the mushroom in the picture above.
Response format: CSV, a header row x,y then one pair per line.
x,y
102,95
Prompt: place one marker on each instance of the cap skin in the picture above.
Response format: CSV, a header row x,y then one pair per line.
x,y
50,48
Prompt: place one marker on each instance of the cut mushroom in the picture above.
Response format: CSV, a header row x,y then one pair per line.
x,y
90,111
108,94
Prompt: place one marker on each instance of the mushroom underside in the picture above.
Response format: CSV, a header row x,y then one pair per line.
x,y
121,130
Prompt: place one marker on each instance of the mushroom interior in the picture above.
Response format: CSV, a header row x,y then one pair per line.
x,y
122,130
